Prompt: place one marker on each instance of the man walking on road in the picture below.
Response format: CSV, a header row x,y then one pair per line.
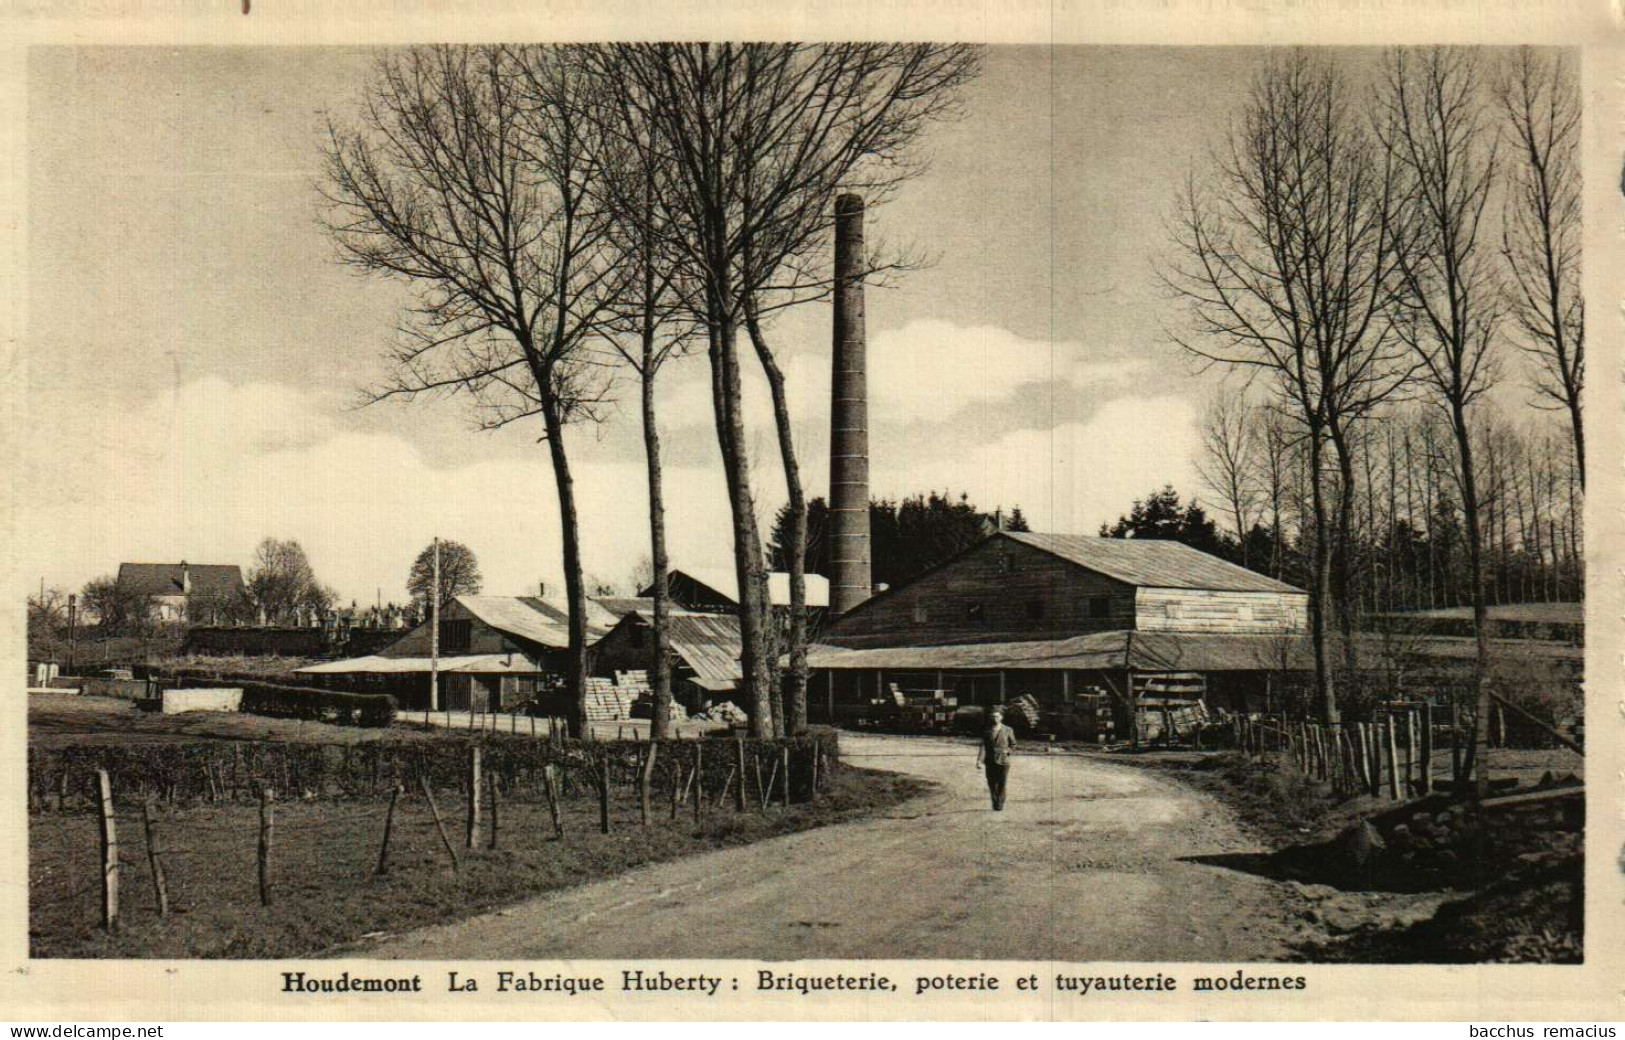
x,y
994,755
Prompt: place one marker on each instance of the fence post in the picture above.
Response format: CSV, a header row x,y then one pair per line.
x,y
389,824
160,884
109,851
1393,757
552,800
439,822
1410,751
474,796
739,746
784,754
267,835
646,776
699,783
1427,747
603,793
818,753
491,782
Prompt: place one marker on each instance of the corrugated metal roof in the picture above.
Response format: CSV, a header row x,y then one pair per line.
x,y
1096,651
709,644
519,616
1151,563
472,664
778,585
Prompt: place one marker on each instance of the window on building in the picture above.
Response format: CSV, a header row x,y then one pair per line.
x,y
455,636
1100,607
975,612
1035,610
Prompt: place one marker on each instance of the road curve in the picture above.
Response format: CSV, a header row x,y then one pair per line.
x,y
1088,862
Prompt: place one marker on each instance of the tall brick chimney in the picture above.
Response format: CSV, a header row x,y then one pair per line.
x,y
849,418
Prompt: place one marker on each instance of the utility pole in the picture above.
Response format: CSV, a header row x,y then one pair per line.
x,y
73,617
434,633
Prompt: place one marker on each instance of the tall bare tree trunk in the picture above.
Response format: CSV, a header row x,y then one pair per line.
x,y
1342,566
1325,686
754,618
795,680
575,675
1477,755
660,651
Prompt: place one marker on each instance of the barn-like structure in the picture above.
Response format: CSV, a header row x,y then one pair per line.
x,y
495,652
1056,616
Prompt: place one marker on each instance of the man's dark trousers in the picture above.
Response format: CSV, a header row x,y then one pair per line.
x,y
997,775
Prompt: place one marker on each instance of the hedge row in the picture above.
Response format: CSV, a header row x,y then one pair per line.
x,y
304,702
201,771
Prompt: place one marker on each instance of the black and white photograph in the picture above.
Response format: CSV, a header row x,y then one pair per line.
x,y
513,504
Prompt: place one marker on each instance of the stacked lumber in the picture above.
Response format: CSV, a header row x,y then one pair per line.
x,y
1023,709
725,712
607,701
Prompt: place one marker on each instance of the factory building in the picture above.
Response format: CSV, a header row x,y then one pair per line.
x,y
1056,616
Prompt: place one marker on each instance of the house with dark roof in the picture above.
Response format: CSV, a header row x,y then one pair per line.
x,y
1054,615
185,591
716,591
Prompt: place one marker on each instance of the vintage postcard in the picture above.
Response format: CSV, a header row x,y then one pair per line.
x,y
519,512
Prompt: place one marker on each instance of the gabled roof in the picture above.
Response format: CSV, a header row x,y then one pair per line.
x,y
599,618
726,585
517,616
164,579
1150,563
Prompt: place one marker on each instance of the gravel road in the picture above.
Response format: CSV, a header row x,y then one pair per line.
x,y
1088,862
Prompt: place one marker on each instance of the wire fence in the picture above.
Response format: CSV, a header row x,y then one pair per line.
x,y
109,824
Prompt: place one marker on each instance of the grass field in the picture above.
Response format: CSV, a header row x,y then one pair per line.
x,y
325,891
63,719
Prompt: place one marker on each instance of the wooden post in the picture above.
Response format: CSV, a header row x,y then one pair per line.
x,y
739,745
1410,751
1374,749
761,789
772,782
646,776
440,823
603,794
474,796
818,754
727,785
389,825
533,727
104,787
267,834
1393,757
1427,747
676,786
699,782
784,756
160,884
552,800
491,782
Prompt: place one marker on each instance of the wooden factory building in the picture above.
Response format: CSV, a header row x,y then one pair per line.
x,y
495,653
705,651
1059,615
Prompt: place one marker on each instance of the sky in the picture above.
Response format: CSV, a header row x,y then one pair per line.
x,y
196,355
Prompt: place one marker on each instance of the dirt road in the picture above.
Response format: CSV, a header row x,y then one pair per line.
x,y
1086,863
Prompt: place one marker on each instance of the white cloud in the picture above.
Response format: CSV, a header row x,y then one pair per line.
x,y
207,472
925,369
1070,478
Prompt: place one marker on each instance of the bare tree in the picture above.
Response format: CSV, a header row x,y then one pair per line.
x,y
750,142
652,326
468,175
1438,131
1229,458
1540,236
1286,265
